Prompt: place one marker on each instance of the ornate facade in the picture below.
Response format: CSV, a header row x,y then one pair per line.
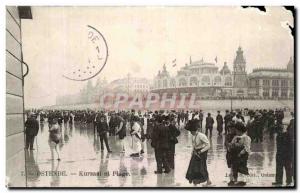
x,y
206,80
198,77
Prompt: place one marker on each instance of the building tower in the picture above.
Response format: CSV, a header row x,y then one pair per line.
x,y
240,82
290,66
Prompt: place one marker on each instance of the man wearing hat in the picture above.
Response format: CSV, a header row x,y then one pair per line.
x,y
209,125
173,134
200,119
271,123
102,129
227,119
219,119
160,143
112,124
31,130
257,128
250,125
284,156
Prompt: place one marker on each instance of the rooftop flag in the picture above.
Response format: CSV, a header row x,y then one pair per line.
x,y
174,62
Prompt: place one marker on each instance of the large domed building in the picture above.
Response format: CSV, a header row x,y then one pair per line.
x,y
202,78
205,79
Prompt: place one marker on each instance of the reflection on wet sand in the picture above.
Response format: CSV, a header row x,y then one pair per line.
x,y
32,168
55,179
80,151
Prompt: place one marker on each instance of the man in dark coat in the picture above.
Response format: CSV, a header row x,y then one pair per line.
x,y
219,119
271,124
291,135
160,143
227,119
51,116
258,128
112,125
31,130
279,115
143,136
250,126
200,119
173,134
102,129
209,125
240,116
66,117
284,157
59,117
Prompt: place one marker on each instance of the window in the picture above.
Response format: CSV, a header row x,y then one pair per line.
x,y
193,81
266,82
284,83
284,92
275,82
275,92
228,81
217,80
265,92
205,80
182,82
256,82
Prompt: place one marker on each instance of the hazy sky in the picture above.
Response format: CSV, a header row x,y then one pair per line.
x,y
141,39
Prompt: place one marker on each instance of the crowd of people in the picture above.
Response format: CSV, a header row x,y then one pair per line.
x,y
161,128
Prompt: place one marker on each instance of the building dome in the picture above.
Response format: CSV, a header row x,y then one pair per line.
x,y
225,70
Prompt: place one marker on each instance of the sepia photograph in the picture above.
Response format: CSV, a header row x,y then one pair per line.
x,y
150,97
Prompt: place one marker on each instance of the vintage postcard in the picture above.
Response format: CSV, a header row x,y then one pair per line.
x,y
150,97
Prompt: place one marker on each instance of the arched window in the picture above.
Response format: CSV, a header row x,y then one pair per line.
x,y
205,80
193,81
217,80
182,82
228,81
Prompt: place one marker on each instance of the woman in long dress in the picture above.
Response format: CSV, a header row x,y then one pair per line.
x,y
136,134
54,138
197,171
121,131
